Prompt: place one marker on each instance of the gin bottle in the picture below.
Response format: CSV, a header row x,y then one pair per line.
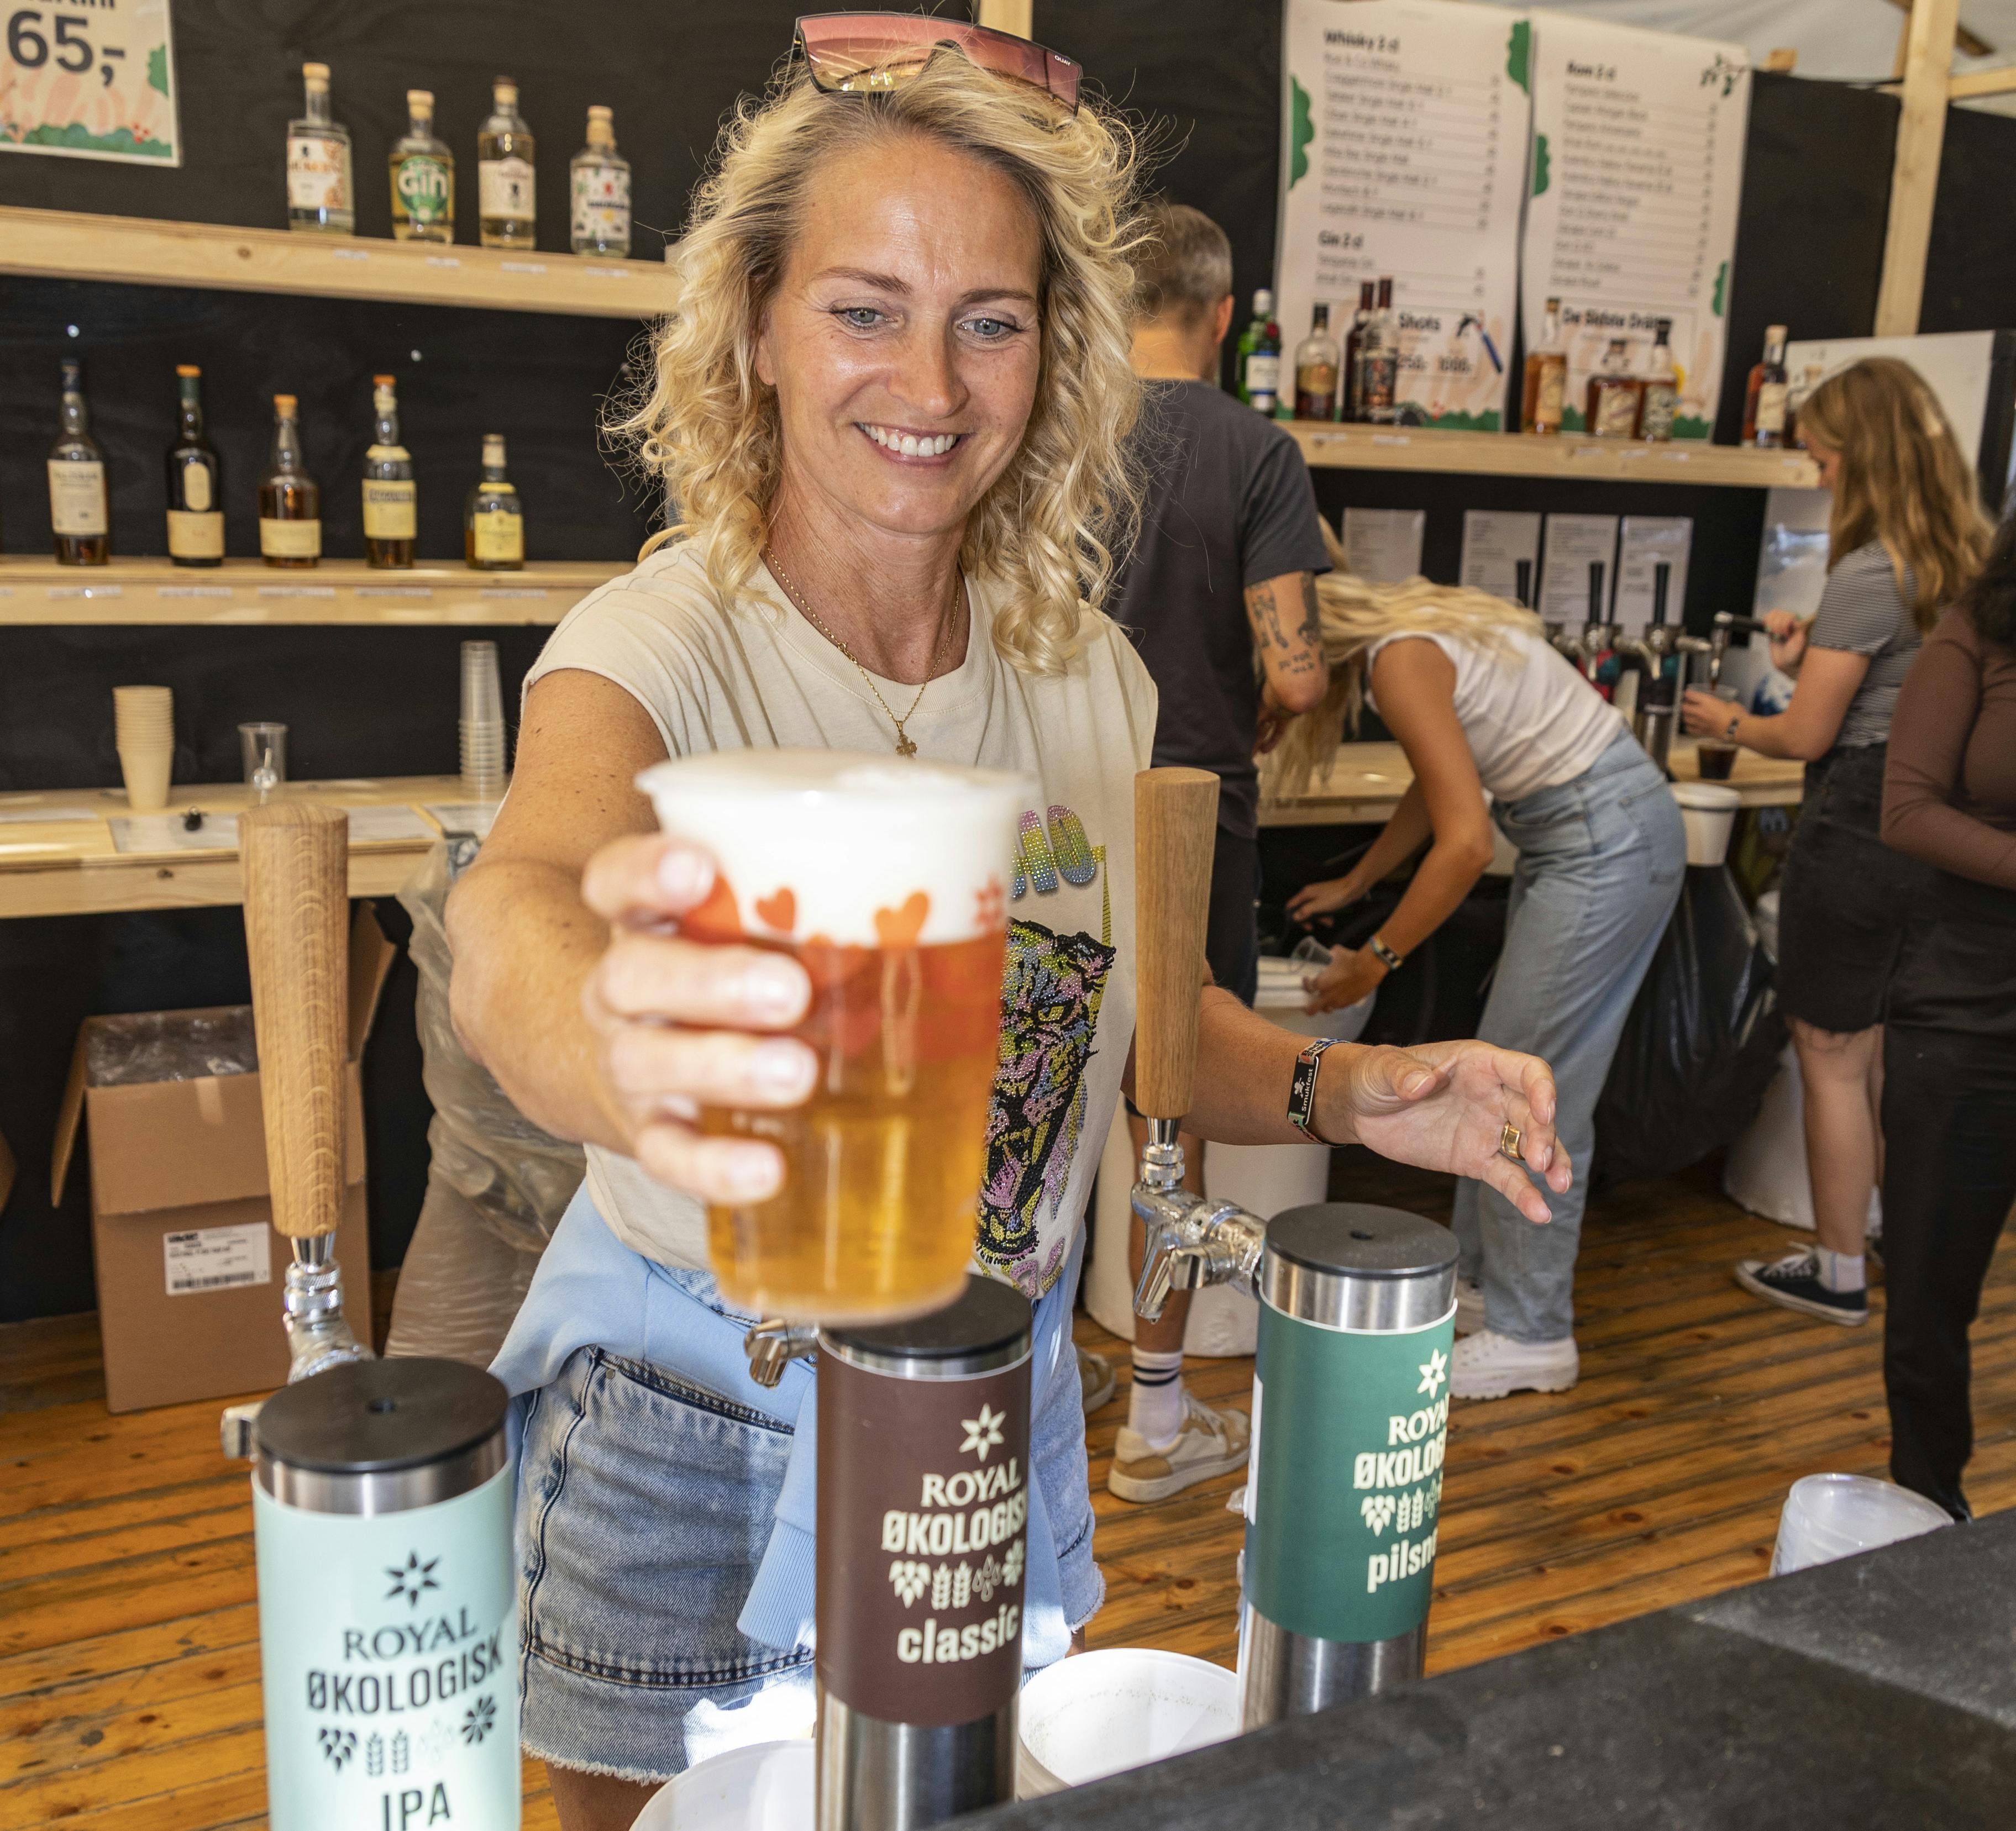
x,y
422,171
598,185
506,208
320,199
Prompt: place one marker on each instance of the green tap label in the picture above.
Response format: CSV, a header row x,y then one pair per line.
x,y
1344,1486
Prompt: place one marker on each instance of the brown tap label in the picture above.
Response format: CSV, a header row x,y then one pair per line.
x,y
923,1511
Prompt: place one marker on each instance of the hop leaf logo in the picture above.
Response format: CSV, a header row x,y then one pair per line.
x,y
478,1720
1378,1510
983,1433
1435,1370
908,1579
1011,1565
413,1579
339,1746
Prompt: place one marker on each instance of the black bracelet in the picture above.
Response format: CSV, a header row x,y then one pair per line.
x,y
1302,1089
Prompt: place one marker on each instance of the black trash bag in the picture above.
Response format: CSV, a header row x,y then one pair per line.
x,y
1701,1045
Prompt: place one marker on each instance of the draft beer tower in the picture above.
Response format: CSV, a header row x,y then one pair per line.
x,y
1357,1316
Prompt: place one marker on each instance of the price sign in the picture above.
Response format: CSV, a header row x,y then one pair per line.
x,y
88,80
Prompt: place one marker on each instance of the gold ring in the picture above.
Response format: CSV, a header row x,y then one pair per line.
x,y
1510,1140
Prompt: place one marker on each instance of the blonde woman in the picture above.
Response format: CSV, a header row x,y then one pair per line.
x,y
1906,535
891,405
1480,700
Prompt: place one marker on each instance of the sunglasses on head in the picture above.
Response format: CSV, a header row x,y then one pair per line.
x,y
871,53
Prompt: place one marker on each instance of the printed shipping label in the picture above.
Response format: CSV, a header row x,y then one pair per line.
x,y
218,1258
77,497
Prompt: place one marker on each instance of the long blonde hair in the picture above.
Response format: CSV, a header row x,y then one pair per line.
x,y
1903,480
1356,614
1051,524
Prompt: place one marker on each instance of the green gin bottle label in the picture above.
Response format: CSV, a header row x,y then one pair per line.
x,y
423,187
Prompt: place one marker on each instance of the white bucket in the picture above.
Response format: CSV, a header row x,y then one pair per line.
x,y
1829,1516
1707,811
765,1786
1101,1713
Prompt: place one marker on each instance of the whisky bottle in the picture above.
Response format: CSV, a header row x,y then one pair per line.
x,y
599,190
1315,369
422,171
1379,361
1764,399
1348,378
1546,382
390,502
1614,397
320,198
77,514
493,527
1662,388
195,481
289,499
1258,361
505,150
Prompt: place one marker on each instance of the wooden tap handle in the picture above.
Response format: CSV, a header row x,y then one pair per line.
x,y
296,906
1175,829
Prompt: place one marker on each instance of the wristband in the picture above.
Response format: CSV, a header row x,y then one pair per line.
x,y
1384,954
1302,1089
1735,719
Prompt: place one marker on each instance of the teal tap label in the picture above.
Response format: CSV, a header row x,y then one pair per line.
x,y
388,1648
1345,1485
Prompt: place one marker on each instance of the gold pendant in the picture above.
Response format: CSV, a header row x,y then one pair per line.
x,y
904,746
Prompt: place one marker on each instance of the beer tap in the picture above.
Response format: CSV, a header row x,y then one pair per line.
x,y
1658,695
1587,646
1726,624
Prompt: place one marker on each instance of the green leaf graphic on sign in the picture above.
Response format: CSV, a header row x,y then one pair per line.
x,y
1301,131
1721,290
1518,49
157,69
76,137
1540,172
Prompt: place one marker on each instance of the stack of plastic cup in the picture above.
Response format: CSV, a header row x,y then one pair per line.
x,y
484,766
144,717
1829,1516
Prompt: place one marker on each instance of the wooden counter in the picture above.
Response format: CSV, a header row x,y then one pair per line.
x,y
74,867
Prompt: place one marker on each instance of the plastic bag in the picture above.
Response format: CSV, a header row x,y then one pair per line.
x,y
1701,1045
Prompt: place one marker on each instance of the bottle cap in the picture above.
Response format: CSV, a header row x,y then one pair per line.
x,y
316,75
1774,333
597,112
284,405
1554,304
72,370
419,101
187,368
504,91
384,381
1263,302
493,447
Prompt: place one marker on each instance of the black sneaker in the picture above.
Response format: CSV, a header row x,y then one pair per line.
x,y
1795,1282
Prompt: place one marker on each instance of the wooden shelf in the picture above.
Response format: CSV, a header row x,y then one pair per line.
x,y
59,244
1568,457
249,591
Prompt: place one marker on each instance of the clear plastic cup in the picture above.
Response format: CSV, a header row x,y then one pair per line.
x,y
1830,1516
263,747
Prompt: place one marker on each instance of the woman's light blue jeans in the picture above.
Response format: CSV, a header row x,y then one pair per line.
x,y
1600,862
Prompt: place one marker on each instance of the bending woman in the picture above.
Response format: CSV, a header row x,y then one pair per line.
x,y
1905,535
1479,700
891,405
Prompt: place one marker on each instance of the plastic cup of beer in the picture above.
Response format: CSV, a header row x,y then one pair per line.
x,y
887,880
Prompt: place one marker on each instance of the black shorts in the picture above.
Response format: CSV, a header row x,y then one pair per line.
x,y
1846,897
1231,941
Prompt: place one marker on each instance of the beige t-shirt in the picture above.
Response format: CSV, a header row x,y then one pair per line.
x,y
717,676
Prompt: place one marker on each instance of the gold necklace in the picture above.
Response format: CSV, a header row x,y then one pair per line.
x,y
905,746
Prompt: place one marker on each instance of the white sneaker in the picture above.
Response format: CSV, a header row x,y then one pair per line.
x,y
1488,1365
1096,1380
1469,1305
1210,1443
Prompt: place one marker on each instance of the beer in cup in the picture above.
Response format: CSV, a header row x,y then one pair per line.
x,y
887,880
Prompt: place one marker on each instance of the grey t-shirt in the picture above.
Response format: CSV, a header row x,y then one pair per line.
x,y
1863,611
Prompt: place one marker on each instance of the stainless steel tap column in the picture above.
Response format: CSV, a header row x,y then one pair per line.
x,y
1350,1417
923,1506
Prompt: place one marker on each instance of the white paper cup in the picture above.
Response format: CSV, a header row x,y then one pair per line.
x,y
1830,1516
1281,996
767,1787
1102,1712
1707,811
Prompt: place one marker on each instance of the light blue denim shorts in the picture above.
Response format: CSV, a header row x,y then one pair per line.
x,y
645,1504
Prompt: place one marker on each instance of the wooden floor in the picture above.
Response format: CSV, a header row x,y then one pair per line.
x,y
129,1697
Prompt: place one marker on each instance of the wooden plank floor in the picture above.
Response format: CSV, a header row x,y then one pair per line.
x,y
129,1695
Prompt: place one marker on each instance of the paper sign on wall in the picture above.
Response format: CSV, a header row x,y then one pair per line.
x,y
1636,176
90,81
1646,542
1494,540
1575,543
1384,544
1404,129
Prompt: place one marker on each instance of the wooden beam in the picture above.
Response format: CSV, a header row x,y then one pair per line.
x,y
1783,61
1009,16
1970,44
1914,177
1982,82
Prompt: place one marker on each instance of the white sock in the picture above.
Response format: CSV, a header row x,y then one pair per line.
x,y
1155,1401
1840,1271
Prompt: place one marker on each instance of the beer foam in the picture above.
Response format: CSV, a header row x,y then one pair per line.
x,y
860,850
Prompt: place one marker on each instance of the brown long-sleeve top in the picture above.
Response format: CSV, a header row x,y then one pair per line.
x,y
1949,785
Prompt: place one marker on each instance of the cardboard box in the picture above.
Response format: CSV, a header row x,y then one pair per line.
x,y
189,1270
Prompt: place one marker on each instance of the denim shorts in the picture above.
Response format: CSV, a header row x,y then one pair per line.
x,y
645,1505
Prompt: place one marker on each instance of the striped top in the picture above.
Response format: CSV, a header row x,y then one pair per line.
x,y
1862,611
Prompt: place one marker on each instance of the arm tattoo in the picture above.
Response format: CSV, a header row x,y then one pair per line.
x,y
1312,629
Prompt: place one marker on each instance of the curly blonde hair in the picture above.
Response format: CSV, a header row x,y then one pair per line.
x,y
1050,525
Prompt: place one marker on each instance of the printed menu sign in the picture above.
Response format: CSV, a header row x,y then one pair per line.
x,y
88,80
1636,176
1404,144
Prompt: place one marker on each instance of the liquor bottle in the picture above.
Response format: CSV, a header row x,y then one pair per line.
x,y
391,504
1662,388
1315,369
422,171
1615,398
599,186
493,526
1258,376
1379,361
320,198
77,514
504,151
195,481
1546,384
289,499
1351,407
1764,399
